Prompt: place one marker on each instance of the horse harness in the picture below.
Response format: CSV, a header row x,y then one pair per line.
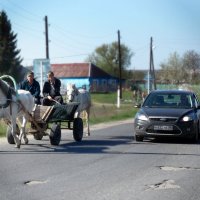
x,y
8,92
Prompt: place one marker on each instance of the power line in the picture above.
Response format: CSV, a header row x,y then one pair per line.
x,y
30,31
25,15
68,56
27,11
75,34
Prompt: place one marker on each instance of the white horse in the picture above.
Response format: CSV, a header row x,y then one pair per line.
x,y
83,97
12,105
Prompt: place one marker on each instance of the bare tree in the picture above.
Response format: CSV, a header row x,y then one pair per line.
x,y
172,71
191,63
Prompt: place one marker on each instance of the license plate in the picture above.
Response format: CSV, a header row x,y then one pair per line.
x,y
165,128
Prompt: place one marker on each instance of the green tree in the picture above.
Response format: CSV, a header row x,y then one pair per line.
x,y
106,57
10,61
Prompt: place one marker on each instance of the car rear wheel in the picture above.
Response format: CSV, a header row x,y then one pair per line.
x,y
139,138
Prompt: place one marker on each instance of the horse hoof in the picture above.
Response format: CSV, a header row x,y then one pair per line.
x,y
17,143
87,134
25,140
17,146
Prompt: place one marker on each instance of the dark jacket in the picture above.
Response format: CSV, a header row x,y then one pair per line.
x,y
47,88
34,89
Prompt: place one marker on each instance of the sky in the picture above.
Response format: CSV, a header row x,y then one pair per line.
x,y
76,28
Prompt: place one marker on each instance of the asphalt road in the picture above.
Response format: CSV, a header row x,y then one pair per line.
x,y
108,165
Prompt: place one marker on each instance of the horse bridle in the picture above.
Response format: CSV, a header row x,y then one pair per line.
x,y
72,95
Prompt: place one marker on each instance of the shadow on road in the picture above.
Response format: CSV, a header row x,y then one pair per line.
x,y
171,140
109,145
86,146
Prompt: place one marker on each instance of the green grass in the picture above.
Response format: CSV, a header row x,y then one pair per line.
x,y
111,97
105,112
3,128
103,109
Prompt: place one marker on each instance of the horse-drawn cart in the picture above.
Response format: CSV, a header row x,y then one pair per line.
x,y
50,120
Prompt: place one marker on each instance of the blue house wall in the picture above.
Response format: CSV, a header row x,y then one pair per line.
x,y
93,78
92,84
103,84
79,82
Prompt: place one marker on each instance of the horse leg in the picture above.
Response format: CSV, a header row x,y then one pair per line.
x,y
87,122
77,114
23,131
17,140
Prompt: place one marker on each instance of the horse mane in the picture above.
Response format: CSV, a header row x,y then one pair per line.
x,y
75,89
6,89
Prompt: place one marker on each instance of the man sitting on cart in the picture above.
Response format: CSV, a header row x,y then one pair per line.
x,y
31,85
51,90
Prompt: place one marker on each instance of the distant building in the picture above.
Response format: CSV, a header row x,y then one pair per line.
x,y
85,75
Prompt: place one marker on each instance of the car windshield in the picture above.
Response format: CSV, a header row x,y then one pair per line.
x,y
169,100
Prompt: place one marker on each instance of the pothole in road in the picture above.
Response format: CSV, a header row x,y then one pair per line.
x,y
34,182
166,184
168,168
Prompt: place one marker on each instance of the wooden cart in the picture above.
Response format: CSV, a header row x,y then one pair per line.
x,y
50,120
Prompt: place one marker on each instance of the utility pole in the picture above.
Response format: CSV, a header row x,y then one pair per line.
x,y
120,64
151,66
46,37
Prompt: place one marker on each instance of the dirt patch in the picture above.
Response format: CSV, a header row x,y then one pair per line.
x,y
3,140
166,184
168,168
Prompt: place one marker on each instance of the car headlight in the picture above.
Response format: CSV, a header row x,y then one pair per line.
x,y
142,117
188,118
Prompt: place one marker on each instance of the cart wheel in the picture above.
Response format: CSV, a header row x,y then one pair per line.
x,y
37,136
55,134
9,135
78,129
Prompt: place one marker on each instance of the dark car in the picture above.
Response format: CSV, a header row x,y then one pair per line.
x,y
168,113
